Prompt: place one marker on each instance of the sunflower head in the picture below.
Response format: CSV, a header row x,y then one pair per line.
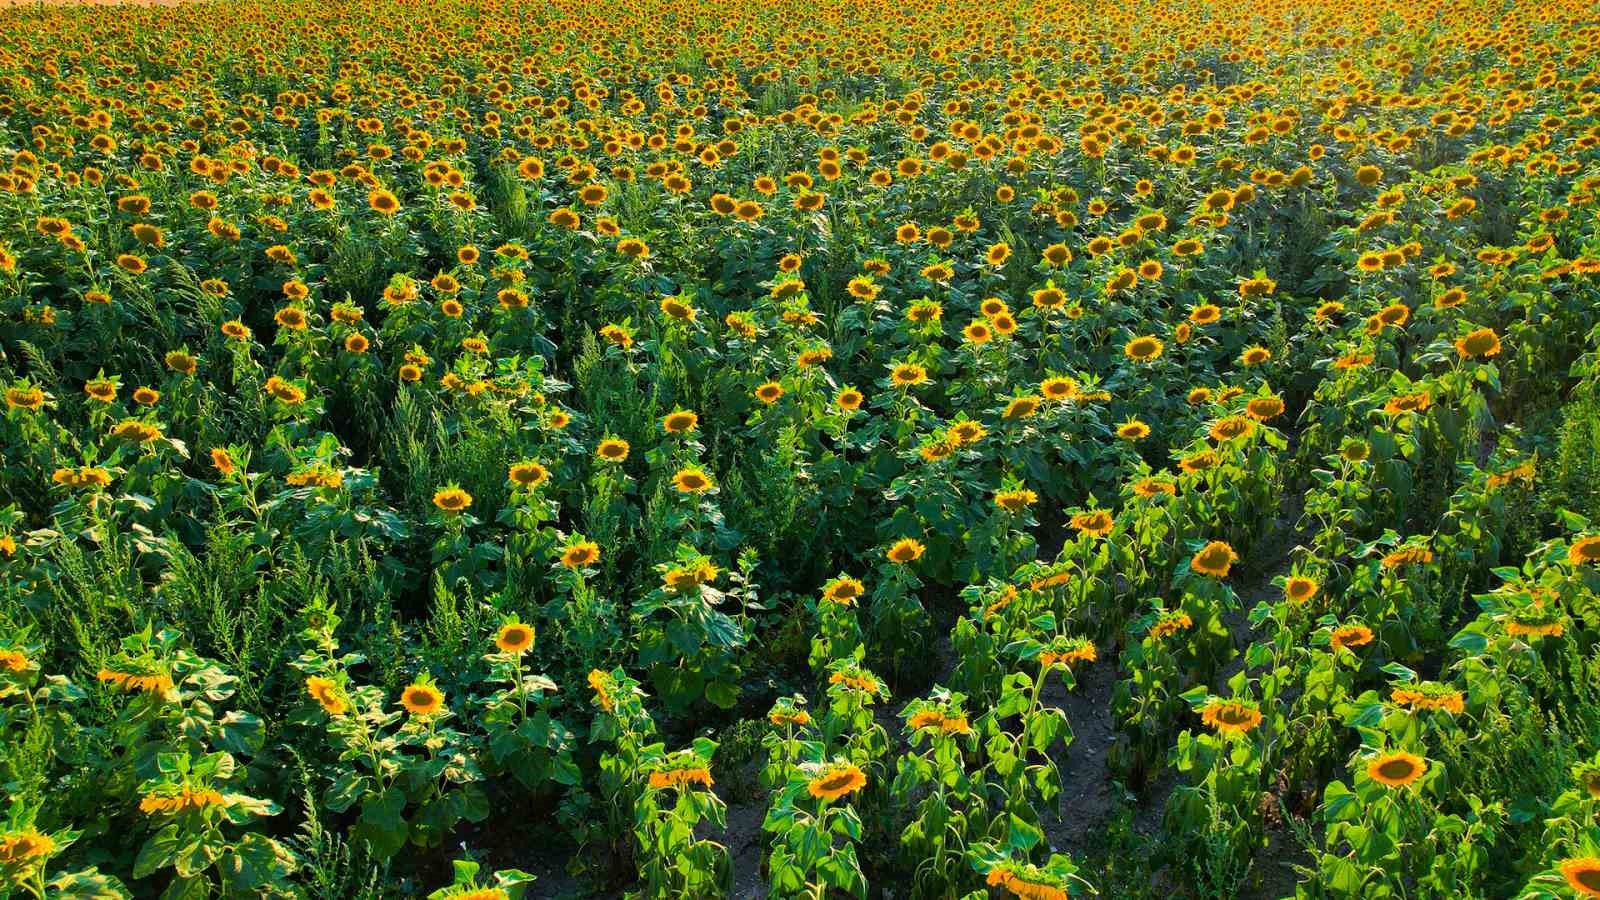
x,y
1214,559
836,780
452,499
514,637
422,699
579,554
1396,768
528,474
905,550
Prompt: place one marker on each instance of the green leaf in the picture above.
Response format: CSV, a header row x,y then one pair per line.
x,y
159,852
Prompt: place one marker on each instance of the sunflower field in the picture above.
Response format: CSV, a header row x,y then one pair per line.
x,y
755,448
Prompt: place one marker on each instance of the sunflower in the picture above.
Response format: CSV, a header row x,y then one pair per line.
x,y
904,375
862,287
1214,559
612,450
1229,427
848,399
579,553
1153,487
1097,522
1133,430
1015,501
19,848
101,389
528,474
844,589
1407,556
154,683
514,637
905,550
1582,874
1584,550
1350,637
692,480
222,461
1254,356
421,698
452,499
769,392
836,780
1170,623
680,778
677,309
1480,344
1396,768
1021,407
1430,695
679,421
179,361
383,202
1058,389
1143,349
1408,403
1264,408
1230,717
1299,589
327,694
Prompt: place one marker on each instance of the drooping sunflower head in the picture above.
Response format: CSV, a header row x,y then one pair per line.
x,y
1264,408
1021,407
843,589
1480,344
836,780
1230,427
327,694
1584,551
1097,522
1350,636
1214,559
1231,717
